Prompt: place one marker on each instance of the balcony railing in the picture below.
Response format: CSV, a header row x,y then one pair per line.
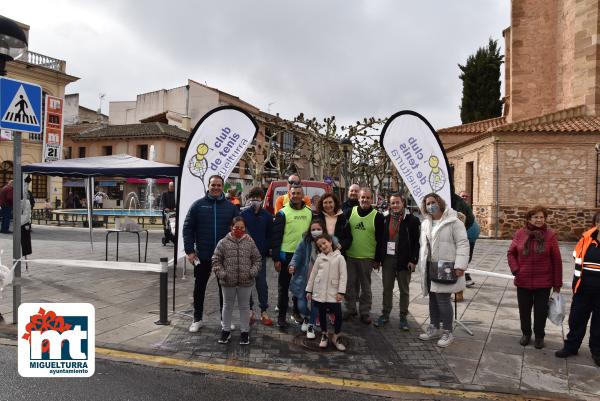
x,y
43,61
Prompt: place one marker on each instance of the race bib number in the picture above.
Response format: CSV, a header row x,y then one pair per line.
x,y
391,248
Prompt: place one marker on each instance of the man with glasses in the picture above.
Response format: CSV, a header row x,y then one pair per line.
x,y
283,200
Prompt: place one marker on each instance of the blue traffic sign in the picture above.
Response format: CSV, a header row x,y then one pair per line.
x,y
20,106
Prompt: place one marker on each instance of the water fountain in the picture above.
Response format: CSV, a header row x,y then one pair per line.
x,y
149,187
132,198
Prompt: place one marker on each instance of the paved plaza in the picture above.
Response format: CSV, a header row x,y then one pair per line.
x,y
127,306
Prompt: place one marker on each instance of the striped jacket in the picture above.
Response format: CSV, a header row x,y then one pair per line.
x,y
579,255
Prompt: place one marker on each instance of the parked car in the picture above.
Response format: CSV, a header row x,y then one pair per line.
x,y
277,188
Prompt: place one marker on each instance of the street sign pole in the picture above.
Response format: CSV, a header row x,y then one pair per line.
x,y
17,194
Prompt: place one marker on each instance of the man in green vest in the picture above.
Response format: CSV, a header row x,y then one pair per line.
x,y
367,227
290,224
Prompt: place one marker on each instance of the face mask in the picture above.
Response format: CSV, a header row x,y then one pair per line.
x,y
316,233
255,204
238,232
433,208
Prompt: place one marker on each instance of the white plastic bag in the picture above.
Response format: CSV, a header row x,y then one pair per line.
x,y
6,275
556,308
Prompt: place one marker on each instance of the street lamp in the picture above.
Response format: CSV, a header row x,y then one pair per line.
x,y
346,148
13,42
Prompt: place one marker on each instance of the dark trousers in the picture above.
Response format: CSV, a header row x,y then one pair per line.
x,y
538,300
202,274
331,307
6,212
586,302
283,287
262,289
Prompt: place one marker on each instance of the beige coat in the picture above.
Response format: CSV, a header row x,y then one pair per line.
x,y
448,242
328,277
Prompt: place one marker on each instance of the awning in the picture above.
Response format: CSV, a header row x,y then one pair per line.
x,y
104,166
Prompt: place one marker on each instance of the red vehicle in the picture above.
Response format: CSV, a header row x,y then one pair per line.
x,y
277,188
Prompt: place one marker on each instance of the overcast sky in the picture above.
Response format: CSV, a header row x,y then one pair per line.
x,y
348,58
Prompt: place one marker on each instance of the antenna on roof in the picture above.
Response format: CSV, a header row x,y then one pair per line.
x,y
101,96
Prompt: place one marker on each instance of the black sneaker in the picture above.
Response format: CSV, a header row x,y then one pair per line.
x,y
469,281
244,338
225,337
525,339
297,318
281,323
564,353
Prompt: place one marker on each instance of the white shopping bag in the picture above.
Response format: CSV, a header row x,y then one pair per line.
x,y
6,275
556,308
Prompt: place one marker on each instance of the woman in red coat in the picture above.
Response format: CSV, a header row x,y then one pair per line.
x,y
534,259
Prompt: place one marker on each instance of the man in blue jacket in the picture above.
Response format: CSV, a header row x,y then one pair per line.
x,y
259,225
206,223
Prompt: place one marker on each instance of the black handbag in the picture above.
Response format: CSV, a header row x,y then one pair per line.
x,y
442,271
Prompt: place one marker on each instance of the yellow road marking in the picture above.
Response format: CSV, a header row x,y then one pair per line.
x,y
307,378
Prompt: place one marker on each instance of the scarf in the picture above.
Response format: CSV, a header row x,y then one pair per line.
x,y
535,234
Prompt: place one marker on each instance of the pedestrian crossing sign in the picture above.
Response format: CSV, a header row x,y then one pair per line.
x,y
20,105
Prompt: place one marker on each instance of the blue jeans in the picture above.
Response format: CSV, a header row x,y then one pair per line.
x,y
262,288
6,212
303,308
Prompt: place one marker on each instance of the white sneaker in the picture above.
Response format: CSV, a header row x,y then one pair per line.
x,y
195,326
338,344
324,341
446,340
310,332
432,332
304,326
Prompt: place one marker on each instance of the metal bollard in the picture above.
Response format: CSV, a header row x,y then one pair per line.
x,y
163,290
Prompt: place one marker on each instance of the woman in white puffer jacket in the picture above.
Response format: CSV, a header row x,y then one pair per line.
x,y
443,239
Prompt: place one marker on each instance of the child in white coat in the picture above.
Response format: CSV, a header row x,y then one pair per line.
x,y
326,287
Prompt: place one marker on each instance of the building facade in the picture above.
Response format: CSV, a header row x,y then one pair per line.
x,y
544,149
49,73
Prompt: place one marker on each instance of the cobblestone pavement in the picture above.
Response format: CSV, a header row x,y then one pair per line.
x,y
127,303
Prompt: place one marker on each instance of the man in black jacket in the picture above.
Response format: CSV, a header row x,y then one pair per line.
x,y
400,247
352,200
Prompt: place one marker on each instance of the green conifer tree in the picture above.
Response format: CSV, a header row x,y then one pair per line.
x,y
481,84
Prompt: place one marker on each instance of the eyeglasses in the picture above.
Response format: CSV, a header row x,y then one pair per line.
x,y
292,182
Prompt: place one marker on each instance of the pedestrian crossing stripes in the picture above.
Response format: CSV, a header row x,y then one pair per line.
x,y
19,110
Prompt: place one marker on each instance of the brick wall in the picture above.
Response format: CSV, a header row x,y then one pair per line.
x,y
552,57
568,223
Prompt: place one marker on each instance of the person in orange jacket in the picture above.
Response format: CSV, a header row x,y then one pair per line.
x,y
586,295
283,200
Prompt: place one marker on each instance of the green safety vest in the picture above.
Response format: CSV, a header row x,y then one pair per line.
x,y
296,224
364,242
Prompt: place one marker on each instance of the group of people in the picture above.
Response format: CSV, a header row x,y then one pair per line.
x,y
324,255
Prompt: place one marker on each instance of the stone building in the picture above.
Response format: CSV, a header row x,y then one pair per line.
x,y
543,150
184,106
49,73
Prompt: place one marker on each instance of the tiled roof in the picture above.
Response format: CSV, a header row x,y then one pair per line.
x,y
154,130
571,125
474,128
